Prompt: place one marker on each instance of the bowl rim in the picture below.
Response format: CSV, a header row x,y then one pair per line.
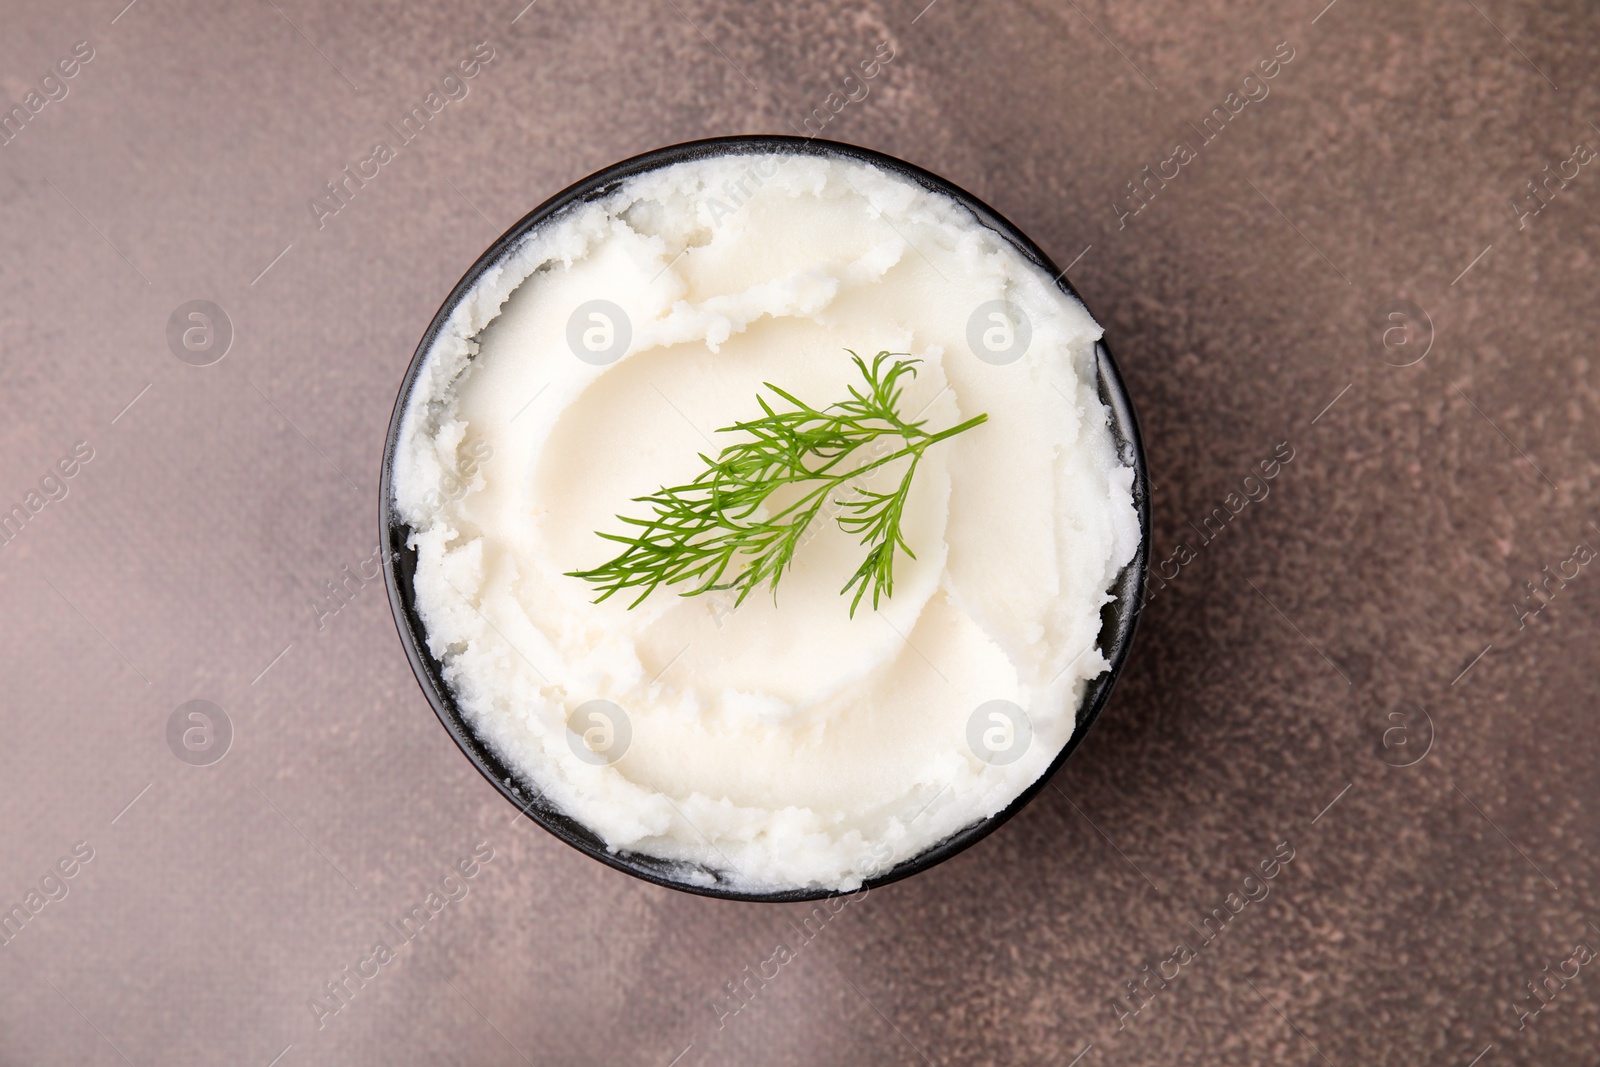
x,y
1119,617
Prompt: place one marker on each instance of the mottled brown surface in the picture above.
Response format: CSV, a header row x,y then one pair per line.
x,y
1388,555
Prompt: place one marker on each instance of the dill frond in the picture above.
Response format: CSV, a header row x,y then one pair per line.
x,y
712,533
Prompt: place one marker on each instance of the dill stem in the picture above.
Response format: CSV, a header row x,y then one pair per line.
x,y
832,481
702,528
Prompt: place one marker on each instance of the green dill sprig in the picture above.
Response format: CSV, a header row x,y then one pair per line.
x,y
712,531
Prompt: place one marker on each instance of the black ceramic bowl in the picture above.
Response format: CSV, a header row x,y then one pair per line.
x,y
1118,617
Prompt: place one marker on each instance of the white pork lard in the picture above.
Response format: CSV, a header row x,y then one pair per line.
x,y
783,741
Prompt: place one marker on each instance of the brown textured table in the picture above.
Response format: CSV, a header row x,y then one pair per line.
x,y
1351,670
